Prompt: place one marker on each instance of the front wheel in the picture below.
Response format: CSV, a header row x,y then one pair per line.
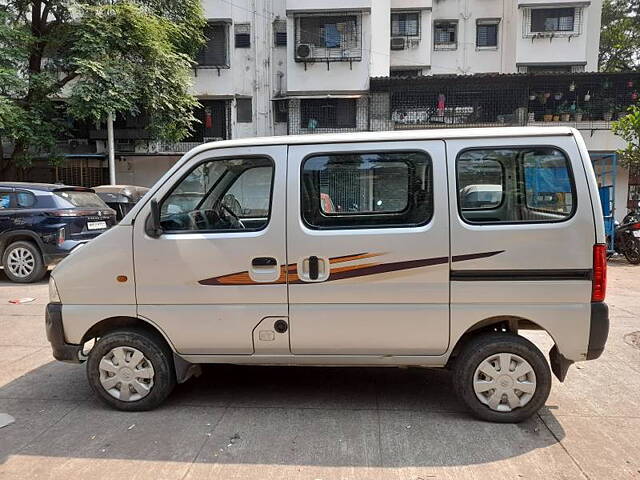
x,y
131,370
502,377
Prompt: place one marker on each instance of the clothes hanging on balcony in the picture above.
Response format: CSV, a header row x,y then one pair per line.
x,y
331,35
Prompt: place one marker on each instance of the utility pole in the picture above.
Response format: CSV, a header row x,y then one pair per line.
x,y
111,150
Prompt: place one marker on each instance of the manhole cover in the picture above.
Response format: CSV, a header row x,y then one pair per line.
x,y
633,339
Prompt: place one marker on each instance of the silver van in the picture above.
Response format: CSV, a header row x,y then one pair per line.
x,y
348,250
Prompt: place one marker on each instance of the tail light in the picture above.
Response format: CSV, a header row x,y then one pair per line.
x,y
61,236
599,280
634,226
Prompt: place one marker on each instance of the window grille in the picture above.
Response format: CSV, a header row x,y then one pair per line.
x,y
405,24
328,38
486,34
214,52
243,35
328,113
280,33
445,35
281,111
552,21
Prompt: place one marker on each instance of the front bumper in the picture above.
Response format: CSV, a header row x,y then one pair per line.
x,y
65,352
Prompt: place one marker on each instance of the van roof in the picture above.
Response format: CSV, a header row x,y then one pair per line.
x,y
386,136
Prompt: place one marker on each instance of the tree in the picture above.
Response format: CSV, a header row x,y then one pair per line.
x,y
620,36
63,60
628,128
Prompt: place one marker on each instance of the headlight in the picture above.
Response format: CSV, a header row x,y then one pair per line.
x,y
54,296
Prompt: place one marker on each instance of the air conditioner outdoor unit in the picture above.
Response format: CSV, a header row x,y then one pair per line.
x,y
397,43
304,50
414,42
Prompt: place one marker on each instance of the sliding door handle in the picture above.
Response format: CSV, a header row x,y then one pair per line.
x,y
264,262
313,267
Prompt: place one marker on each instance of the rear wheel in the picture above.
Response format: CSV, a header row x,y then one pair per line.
x,y
23,263
502,377
131,370
631,250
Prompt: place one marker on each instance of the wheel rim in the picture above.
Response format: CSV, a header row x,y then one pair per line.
x,y
126,374
21,262
504,382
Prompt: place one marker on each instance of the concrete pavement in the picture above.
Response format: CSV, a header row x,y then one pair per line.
x,y
315,423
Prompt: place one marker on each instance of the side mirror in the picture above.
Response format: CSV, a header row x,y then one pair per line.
x,y
153,227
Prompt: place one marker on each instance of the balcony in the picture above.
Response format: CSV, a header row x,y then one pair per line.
x,y
587,101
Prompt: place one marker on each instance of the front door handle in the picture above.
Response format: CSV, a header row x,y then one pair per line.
x,y
264,262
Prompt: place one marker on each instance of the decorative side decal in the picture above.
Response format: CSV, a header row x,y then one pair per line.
x,y
290,272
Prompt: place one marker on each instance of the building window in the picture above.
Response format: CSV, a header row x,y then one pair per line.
x,y
214,52
445,35
328,113
406,72
487,33
328,38
515,185
280,33
281,111
405,24
552,21
243,110
243,35
367,190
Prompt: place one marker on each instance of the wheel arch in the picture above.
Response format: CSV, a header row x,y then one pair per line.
x,y
498,323
12,236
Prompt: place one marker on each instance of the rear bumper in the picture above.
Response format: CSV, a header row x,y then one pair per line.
x,y
599,330
65,352
598,333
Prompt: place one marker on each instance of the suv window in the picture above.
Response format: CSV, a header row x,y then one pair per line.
x,y
5,200
221,195
25,199
72,198
515,185
367,190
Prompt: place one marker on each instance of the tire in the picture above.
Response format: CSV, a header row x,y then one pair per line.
x,y
631,250
520,352
157,362
23,263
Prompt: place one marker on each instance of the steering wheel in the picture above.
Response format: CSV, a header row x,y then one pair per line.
x,y
233,215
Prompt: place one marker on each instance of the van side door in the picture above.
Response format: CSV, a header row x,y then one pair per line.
x,y
215,271
368,248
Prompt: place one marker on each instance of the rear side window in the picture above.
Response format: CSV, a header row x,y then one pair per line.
x,y
5,200
72,198
367,190
515,185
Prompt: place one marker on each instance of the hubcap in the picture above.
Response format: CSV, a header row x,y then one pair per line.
x,y
21,262
126,374
504,382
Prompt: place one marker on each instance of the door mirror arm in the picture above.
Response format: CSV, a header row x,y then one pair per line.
x,y
152,226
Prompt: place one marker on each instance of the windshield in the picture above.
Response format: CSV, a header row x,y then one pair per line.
x,y
81,199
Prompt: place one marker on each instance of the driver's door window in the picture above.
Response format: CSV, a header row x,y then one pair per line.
x,y
221,195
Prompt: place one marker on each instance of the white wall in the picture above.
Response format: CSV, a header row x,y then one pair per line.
x,y
415,56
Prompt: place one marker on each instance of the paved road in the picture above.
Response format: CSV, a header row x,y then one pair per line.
x,y
314,423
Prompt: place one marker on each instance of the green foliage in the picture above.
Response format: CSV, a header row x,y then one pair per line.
x,y
628,127
620,36
81,59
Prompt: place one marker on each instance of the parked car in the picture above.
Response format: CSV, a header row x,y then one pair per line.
x,y
40,224
404,277
120,198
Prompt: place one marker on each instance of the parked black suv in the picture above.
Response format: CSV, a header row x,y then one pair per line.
x,y
40,224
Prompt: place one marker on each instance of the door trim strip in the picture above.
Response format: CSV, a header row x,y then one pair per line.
x,y
519,275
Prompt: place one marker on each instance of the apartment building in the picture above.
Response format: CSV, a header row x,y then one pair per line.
x,y
302,66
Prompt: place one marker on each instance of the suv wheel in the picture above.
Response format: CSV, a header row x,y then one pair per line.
x,y
502,377
23,263
131,370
